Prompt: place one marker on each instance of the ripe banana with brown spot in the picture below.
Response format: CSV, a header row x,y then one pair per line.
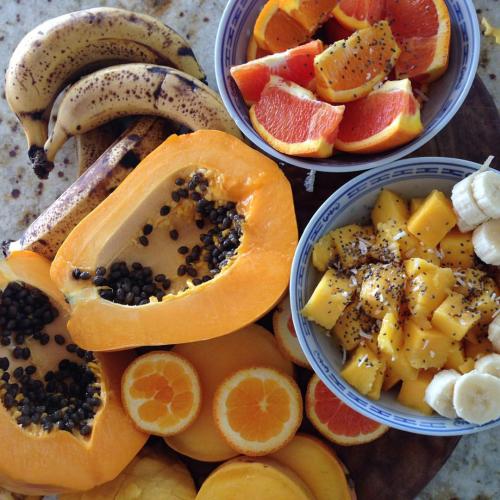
x,y
137,89
62,49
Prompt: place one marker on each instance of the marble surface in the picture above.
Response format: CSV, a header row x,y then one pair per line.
x,y
473,471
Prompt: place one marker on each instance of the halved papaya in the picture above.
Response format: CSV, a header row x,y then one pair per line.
x,y
197,242
62,425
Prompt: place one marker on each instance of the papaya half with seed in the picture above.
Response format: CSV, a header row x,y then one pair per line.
x,y
39,392
197,242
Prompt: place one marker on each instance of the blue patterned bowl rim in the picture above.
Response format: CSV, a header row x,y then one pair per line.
x,y
464,18
320,223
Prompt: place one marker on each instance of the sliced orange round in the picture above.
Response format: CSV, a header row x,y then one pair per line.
x,y
276,31
254,51
422,29
258,410
309,13
335,420
359,14
388,117
161,393
285,334
291,120
349,69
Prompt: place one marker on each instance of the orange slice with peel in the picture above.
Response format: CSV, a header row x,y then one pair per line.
x,y
388,117
161,393
285,335
258,410
422,29
254,51
349,69
335,420
276,31
309,13
295,65
291,120
359,14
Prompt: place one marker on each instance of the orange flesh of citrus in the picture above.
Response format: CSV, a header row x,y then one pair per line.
x,y
354,14
310,13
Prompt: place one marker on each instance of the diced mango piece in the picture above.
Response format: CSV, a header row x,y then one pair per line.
x,y
457,249
476,351
467,366
415,204
454,317
469,281
381,289
417,265
323,252
488,302
429,254
433,220
389,206
377,384
352,244
329,299
426,348
412,393
352,325
456,357
361,370
390,337
398,368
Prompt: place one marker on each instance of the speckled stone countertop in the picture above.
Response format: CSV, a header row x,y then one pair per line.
x,y
473,471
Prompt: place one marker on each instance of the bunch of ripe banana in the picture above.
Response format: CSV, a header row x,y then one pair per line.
x,y
146,68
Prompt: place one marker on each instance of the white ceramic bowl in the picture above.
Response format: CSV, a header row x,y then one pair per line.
x,y
446,96
352,203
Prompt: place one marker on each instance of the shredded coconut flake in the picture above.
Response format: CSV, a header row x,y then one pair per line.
x,y
309,180
420,94
362,359
460,281
365,335
400,235
426,343
410,252
433,354
363,246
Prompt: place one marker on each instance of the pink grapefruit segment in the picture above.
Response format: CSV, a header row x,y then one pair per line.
x,y
359,14
295,65
291,120
335,420
388,117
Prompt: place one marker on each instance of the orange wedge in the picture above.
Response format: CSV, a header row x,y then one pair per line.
x,y
258,410
276,31
422,29
388,117
309,13
335,420
291,120
349,69
161,393
359,14
254,51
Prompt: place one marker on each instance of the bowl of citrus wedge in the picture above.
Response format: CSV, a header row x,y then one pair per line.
x,y
344,85
395,295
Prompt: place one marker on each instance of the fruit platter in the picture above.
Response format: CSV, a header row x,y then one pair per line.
x,y
188,313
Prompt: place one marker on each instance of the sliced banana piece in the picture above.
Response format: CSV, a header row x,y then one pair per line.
x,y
137,89
489,364
468,211
486,241
476,397
486,191
494,333
439,393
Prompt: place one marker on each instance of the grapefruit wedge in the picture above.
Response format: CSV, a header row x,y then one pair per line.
x,y
422,29
276,31
309,13
295,65
291,120
359,14
335,420
388,117
349,69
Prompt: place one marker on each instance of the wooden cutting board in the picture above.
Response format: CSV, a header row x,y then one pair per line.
x,y
398,465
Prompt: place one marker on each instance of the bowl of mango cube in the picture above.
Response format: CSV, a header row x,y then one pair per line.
x,y
393,304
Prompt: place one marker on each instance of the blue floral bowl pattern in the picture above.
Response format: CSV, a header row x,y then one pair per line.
x,y
446,96
349,204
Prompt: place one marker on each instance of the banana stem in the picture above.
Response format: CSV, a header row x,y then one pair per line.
x,y
41,165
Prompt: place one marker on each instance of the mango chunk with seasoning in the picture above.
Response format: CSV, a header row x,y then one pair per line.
x,y
487,303
412,393
389,206
329,299
381,289
323,252
454,316
361,370
352,244
398,368
457,249
415,204
433,220
377,383
469,281
352,325
426,348
390,337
